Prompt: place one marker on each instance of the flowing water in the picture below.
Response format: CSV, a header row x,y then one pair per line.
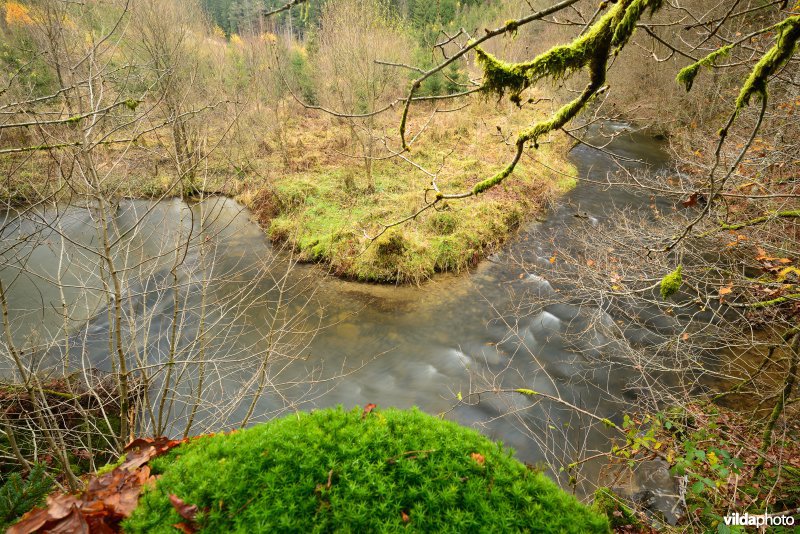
x,y
425,345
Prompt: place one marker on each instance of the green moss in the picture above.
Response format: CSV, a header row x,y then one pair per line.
x,y
334,470
559,61
499,76
671,283
687,74
390,244
771,62
625,28
443,222
111,466
131,104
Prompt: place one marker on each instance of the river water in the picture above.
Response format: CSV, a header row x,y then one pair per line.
x,y
424,346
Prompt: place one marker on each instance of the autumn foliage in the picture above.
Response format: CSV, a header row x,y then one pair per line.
x,y
17,13
108,499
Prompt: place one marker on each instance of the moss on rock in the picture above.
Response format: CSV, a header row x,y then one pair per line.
x,y
334,470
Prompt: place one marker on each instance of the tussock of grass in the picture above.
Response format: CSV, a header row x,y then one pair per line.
x,y
336,471
327,217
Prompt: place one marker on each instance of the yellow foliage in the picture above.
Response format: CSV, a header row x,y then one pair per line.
x,y
269,37
236,40
218,32
17,13
300,49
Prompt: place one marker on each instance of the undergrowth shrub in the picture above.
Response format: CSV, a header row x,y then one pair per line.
x,y
334,470
18,495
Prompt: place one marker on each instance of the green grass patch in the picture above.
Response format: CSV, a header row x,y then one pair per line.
x,y
335,470
325,220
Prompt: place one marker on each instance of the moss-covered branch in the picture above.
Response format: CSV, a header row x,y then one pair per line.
x,y
789,214
687,74
771,62
589,51
558,62
760,220
510,26
559,119
775,301
613,29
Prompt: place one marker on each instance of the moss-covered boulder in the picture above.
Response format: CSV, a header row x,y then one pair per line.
x,y
334,470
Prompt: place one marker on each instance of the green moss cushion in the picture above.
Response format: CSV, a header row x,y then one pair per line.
x,y
332,470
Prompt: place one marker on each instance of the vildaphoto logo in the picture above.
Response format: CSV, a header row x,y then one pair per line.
x,y
748,520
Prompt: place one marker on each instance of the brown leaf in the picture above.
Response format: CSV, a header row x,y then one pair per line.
x,y
30,522
108,499
159,445
186,511
74,523
186,528
405,516
691,201
98,525
478,457
725,290
368,409
136,459
60,505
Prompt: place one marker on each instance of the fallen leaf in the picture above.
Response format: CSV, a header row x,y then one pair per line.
x,y
478,457
73,523
368,409
725,290
685,336
185,528
186,511
590,263
405,516
691,201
